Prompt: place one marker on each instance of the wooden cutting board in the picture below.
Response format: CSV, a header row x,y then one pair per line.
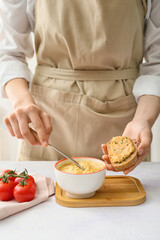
x,y
116,191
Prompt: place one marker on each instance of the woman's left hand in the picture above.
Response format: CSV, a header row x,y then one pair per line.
x,y
139,130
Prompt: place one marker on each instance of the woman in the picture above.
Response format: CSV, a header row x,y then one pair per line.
x,y
89,73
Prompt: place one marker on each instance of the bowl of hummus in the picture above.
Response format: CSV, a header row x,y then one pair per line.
x,y
80,183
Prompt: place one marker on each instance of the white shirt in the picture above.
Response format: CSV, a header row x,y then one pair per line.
x,y
17,23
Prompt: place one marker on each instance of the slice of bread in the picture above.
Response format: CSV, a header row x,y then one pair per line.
x,y
122,163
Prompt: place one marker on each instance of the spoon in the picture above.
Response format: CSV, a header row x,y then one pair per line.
x,y
78,165
36,136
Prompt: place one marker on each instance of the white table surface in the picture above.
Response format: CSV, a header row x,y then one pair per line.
x,y
49,220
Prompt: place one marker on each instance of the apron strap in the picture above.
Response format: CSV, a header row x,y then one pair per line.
x,y
86,75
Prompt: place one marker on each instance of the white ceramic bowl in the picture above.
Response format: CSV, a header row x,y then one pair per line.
x,y
80,185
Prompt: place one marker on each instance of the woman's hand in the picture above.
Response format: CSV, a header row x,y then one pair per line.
x,y
26,112
139,130
18,124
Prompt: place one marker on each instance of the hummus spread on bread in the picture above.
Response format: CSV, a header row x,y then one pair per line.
x,y
120,149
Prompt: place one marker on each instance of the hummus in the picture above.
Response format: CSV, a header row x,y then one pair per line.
x,y
89,166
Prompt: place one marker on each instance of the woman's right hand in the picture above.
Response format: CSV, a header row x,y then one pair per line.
x,y
27,112
18,124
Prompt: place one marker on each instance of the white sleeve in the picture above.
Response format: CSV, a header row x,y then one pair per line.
x,y
148,83
15,41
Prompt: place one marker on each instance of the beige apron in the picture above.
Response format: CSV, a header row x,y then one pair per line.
x,y
88,54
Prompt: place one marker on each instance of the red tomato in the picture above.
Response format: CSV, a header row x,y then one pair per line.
x,y
6,190
8,170
29,179
24,193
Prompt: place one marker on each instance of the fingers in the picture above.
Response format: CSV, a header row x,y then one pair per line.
x,y
9,126
23,121
106,158
110,168
15,126
38,125
18,124
19,128
146,139
35,134
46,119
140,159
104,148
41,122
143,149
26,132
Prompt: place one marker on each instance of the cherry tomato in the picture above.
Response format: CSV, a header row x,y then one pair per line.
x,y
7,171
24,193
29,179
6,190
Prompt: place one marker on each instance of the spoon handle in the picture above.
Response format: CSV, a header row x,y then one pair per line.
x,y
36,136
66,156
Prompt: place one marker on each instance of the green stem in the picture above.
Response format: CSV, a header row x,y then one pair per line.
x,y
24,173
5,179
23,182
13,175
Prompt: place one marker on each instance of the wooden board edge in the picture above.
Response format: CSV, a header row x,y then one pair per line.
x,y
112,204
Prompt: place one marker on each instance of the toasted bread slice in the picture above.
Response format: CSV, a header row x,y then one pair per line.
x,y
122,152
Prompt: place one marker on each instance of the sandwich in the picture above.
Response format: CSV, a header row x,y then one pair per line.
x,y
122,152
